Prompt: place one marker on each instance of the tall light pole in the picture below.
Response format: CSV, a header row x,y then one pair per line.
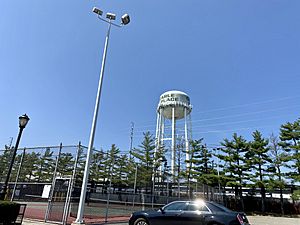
x,y
110,17
23,120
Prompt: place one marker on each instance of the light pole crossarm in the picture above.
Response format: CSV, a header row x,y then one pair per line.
x,y
108,21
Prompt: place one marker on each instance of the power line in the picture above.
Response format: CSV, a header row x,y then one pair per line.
x,y
232,130
233,107
226,130
249,113
233,122
229,116
249,104
131,139
237,122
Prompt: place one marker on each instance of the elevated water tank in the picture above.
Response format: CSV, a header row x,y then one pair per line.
x,y
174,99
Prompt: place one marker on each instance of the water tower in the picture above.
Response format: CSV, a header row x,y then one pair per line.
x,y
174,127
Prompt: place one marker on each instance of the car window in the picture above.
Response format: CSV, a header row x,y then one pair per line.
x,y
217,207
197,207
176,206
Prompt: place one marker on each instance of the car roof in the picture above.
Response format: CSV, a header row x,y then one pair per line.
x,y
213,206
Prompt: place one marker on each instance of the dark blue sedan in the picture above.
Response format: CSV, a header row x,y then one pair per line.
x,y
196,212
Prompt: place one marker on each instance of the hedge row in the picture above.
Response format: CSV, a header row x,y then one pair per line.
x,y
9,212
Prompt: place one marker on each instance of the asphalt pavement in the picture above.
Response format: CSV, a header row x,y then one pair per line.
x,y
37,222
254,220
270,220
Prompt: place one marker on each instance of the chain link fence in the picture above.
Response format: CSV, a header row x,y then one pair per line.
x,y
43,178
49,180
104,202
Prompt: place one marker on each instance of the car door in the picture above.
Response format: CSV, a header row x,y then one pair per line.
x,y
170,214
195,214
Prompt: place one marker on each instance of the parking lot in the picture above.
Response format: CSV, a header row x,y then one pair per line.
x,y
269,220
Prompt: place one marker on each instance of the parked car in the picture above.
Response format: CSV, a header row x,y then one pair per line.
x,y
198,212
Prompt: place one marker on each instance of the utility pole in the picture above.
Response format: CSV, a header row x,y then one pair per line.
x,y
11,140
131,139
8,147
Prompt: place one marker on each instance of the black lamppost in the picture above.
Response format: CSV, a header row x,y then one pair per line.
x,y
23,120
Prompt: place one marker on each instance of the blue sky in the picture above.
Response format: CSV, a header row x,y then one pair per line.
x,y
237,60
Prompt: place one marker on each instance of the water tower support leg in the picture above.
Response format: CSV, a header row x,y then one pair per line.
x,y
187,150
173,144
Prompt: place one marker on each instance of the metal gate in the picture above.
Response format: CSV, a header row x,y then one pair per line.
x,y
58,205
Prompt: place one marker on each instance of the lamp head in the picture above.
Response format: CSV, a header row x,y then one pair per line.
x,y
97,11
23,120
125,19
110,16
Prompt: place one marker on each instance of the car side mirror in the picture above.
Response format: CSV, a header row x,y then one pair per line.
x,y
162,210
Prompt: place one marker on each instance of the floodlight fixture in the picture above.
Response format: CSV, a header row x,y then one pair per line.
x,y
125,19
97,11
110,16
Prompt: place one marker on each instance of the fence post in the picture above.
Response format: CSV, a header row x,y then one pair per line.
x,y
70,187
134,186
108,193
143,201
153,188
53,184
168,191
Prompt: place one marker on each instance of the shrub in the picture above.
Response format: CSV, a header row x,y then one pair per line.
x,y
8,212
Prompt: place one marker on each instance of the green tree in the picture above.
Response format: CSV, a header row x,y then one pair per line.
x,y
145,157
65,164
113,159
234,151
201,164
296,195
205,166
81,159
121,173
259,162
131,169
30,167
279,161
290,141
192,164
223,177
111,166
46,166
4,161
97,166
